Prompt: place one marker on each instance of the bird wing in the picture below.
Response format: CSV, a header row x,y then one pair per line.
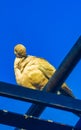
x,y
46,68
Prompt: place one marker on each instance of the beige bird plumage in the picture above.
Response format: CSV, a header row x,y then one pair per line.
x,y
33,72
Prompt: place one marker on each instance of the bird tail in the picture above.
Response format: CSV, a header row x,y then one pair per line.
x,y
65,90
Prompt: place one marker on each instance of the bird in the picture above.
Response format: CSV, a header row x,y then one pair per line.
x,y
34,72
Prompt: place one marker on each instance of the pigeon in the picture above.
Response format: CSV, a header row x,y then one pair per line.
x,y
34,72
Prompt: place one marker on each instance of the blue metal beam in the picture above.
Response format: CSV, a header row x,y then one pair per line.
x,y
40,97
78,125
65,68
29,123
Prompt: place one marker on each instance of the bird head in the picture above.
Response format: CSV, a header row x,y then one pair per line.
x,y
20,51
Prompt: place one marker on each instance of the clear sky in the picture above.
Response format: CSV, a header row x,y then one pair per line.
x,y
48,29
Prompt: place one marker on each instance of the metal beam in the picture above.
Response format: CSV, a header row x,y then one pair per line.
x,y
78,125
65,68
40,97
63,71
29,123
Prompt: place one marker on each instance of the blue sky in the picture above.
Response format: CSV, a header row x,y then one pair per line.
x,y
48,29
